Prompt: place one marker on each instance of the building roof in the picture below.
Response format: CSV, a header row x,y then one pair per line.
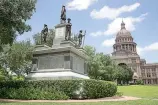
x,y
142,59
151,64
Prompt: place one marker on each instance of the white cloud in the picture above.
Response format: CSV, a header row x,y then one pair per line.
x,y
80,4
108,42
139,50
151,47
114,26
98,33
112,13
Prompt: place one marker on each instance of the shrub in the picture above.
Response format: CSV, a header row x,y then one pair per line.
x,y
32,94
16,78
139,82
98,89
57,89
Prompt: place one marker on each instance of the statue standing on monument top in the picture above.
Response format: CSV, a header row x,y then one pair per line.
x,y
44,34
68,30
80,37
63,15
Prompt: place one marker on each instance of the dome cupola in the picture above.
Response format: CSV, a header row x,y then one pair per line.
x,y
124,41
123,32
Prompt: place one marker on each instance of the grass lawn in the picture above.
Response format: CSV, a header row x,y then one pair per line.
x,y
138,102
140,91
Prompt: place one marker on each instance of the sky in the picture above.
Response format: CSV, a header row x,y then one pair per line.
x,y
101,19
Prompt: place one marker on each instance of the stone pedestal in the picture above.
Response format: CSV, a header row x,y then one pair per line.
x,y
61,61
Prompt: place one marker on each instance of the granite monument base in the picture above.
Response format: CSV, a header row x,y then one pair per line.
x,y
59,62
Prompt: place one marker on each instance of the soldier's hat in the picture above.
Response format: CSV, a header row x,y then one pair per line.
x,y
45,25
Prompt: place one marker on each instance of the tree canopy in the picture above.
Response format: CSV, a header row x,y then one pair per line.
x,y
17,57
13,17
102,67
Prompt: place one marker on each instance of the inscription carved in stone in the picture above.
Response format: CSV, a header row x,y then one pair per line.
x,y
51,62
60,32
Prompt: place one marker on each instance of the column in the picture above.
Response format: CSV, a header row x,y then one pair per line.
x,y
130,47
134,47
152,81
126,46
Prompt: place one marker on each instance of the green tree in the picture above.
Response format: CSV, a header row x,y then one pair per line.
x,y
3,74
128,74
18,57
13,17
106,68
93,65
100,66
51,34
124,74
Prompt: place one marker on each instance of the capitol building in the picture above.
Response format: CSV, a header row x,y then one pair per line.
x,y
125,53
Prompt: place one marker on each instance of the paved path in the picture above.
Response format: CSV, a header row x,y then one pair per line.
x,y
123,98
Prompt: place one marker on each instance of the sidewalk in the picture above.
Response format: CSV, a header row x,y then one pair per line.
x,y
123,98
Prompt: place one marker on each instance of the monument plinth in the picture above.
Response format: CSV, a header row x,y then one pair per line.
x,y
58,63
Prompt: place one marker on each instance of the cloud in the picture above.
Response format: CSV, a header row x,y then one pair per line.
x,y
114,26
80,4
112,13
108,42
151,47
139,50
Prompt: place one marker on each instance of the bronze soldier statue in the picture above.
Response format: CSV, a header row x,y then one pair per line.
x,y
68,30
63,15
44,34
80,37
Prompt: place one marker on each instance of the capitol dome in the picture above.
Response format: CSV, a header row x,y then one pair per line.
x,y
123,32
124,41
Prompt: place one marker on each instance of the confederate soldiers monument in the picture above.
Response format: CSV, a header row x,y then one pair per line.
x,y
65,59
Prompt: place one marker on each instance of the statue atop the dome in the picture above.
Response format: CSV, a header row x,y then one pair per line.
x,y
63,15
123,25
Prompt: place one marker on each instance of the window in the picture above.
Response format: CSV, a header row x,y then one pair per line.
x,y
133,60
148,70
154,74
148,75
126,47
149,81
123,46
154,81
153,70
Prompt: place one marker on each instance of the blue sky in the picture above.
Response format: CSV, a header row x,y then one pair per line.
x,y
102,19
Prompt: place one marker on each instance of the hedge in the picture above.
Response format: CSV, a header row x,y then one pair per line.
x,y
57,89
